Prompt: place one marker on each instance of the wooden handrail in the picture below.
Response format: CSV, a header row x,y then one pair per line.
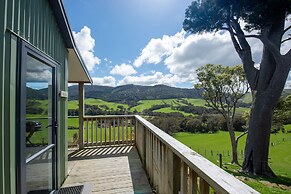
x,y
161,153
171,166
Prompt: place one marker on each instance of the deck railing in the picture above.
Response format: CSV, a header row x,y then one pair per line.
x,y
109,130
171,166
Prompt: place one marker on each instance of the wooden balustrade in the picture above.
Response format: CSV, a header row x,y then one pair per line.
x,y
108,130
171,166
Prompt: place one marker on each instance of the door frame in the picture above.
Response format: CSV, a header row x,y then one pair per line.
x,y
26,49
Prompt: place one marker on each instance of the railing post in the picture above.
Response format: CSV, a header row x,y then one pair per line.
x,y
81,114
174,172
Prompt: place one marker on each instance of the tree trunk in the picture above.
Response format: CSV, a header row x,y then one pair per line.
x,y
258,139
233,141
273,73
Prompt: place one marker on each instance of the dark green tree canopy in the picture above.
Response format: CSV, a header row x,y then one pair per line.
x,y
213,15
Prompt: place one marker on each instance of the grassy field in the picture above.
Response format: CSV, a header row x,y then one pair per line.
x,y
210,145
73,104
146,104
196,102
169,110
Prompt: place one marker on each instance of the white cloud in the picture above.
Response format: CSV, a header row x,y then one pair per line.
x,y
85,44
198,50
123,70
157,49
183,54
150,80
104,81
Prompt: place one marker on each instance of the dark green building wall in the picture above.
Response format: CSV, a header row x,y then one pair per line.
x,y
32,21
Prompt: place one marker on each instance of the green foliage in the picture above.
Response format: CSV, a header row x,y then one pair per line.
x,y
222,87
282,112
213,15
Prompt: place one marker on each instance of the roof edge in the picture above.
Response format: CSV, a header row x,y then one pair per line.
x,y
63,23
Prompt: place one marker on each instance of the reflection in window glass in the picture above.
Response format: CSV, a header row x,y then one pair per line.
x,y
39,118
39,174
38,105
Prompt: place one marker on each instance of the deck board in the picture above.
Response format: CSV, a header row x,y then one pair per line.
x,y
108,170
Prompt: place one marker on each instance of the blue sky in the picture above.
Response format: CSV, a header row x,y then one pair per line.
x,y
142,42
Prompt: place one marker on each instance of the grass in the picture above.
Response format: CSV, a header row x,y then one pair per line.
x,y
209,145
196,102
169,110
146,104
73,104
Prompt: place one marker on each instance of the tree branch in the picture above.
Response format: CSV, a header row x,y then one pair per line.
x,y
288,28
247,36
241,35
241,135
287,39
235,43
269,45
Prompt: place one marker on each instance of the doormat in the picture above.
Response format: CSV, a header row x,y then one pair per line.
x,y
71,190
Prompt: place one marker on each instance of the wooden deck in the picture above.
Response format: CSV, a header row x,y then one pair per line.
x,y
115,169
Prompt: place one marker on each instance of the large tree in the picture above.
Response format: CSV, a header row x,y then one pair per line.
x,y
265,21
222,88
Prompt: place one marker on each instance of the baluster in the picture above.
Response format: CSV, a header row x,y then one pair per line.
x,y
109,125
96,131
92,126
114,131
126,130
130,124
193,182
184,177
122,132
101,129
204,186
105,131
118,130
87,132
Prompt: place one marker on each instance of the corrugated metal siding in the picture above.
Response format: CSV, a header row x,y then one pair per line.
x,y
33,21
2,78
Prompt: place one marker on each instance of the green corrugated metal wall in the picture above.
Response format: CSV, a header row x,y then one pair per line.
x,y
33,21
2,11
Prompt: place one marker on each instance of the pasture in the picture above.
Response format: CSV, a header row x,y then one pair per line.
x,y
210,145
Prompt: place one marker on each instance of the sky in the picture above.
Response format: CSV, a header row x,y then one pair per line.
x,y
142,42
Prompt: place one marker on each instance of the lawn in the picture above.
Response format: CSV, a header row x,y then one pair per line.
x,y
210,145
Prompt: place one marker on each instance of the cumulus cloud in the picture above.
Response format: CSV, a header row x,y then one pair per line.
x,y
198,50
150,80
157,49
123,70
85,44
183,54
104,81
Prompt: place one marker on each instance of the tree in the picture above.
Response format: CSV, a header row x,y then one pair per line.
x,y
265,20
222,87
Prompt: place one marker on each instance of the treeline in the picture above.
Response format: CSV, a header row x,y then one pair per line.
x,y
208,123
101,110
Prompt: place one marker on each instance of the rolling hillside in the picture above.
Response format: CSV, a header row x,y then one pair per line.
x,y
133,93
